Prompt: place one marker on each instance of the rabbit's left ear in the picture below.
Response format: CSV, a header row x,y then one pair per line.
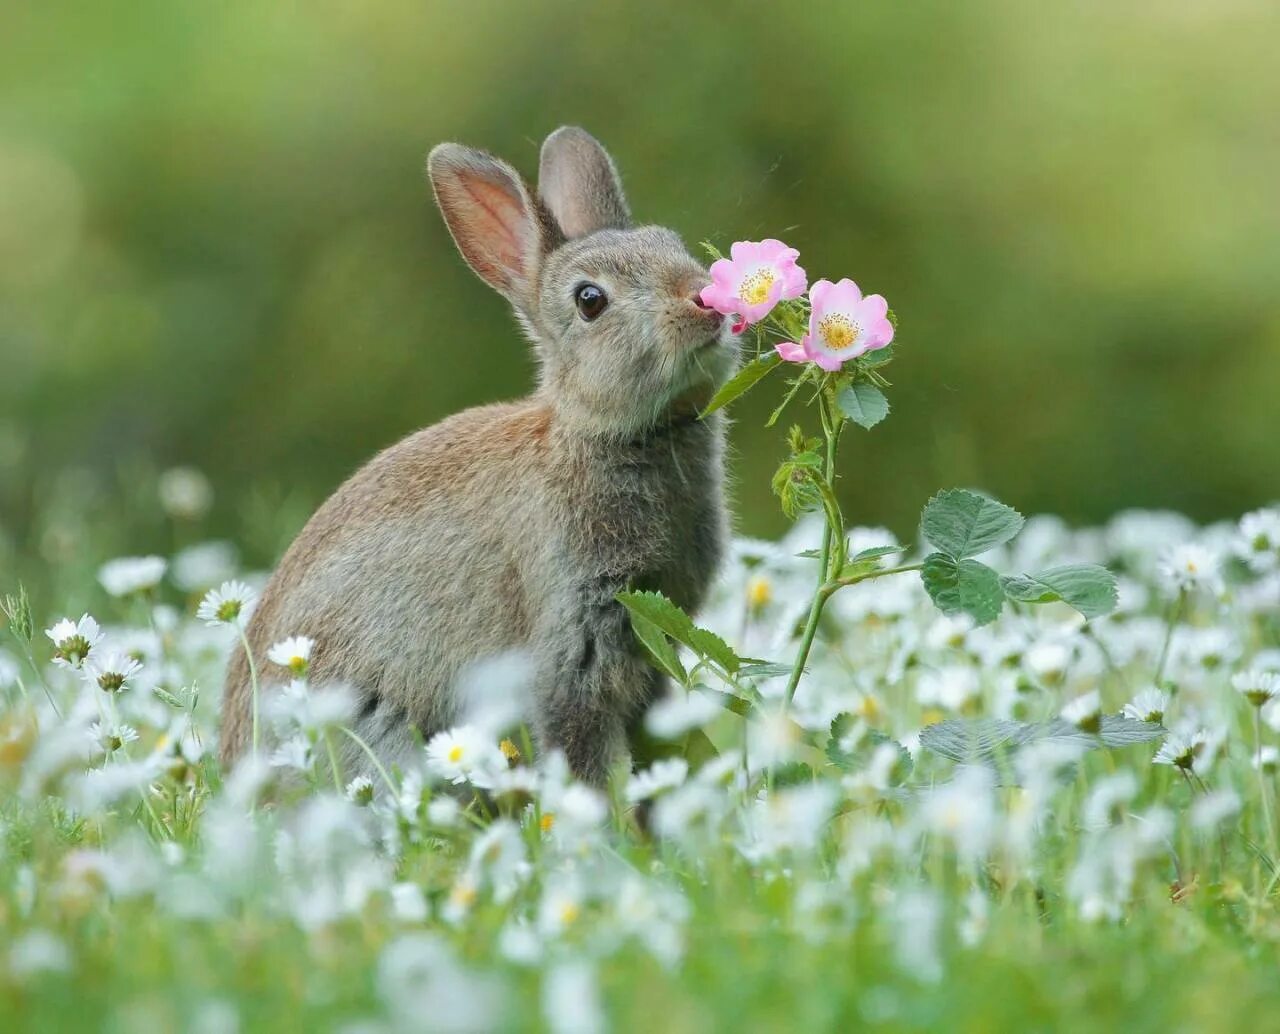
x,y
579,184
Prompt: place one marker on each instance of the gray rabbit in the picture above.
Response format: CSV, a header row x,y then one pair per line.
x,y
513,525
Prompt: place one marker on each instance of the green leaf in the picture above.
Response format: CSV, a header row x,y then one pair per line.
x,y
795,387
965,524
1087,587
763,670
707,644
875,553
963,586
982,739
863,403
661,653
666,617
742,381
880,357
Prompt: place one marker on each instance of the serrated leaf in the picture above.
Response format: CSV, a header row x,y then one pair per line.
x,y
880,356
964,586
875,553
965,524
707,644
671,620
742,381
656,608
661,652
1088,588
981,739
863,403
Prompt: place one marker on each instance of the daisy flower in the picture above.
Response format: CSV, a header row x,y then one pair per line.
x,y
112,737
842,326
1188,567
462,754
756,276
1257,686
226,605
111,672
73,641
293,653
1084,712
1181,751
1258,539
659,777
131,574
360,790
1147,706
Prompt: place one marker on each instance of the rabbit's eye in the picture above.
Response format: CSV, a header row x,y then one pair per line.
x,y
591,301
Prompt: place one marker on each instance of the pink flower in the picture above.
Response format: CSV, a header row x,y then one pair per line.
x,y
842,326
757,276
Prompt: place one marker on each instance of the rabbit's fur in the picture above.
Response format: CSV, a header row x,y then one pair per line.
x,y
514,525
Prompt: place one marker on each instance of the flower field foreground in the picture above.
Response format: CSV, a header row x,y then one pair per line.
x,y
1040,821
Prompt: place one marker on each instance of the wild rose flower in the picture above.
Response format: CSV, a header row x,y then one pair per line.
x,y
757,276
842,326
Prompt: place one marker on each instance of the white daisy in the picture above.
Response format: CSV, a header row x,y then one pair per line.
x,y
112,737
659,777
1257,686
293,653
360,790
1148,706
229,604
111,672
131,574
463,754
73,641
1258,540
1182,751
1084,712
1189,567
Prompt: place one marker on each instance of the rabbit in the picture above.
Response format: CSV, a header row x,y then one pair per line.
x,y
512,526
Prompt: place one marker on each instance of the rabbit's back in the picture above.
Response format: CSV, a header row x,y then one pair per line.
x,y
414,567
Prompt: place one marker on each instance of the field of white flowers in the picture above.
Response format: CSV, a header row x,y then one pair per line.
x,y
950,827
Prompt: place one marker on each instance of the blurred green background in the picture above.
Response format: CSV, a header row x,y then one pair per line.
x,y
217,247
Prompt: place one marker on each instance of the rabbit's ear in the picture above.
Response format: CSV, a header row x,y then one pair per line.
x,y
500,229
579,183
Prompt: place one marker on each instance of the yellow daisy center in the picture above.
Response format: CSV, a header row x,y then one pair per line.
x,y
755,287
569,911
547,821
759,592
838,331
455,754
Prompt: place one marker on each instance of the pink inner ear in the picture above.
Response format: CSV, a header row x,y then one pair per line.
x,y
499,225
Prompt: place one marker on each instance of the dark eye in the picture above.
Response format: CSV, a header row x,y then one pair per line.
x,y
591,301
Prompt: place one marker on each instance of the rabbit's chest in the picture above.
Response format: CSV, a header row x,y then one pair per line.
x,y
654,518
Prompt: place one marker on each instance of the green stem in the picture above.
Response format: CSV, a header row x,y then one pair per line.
x,y
253,683
829,534
333,762
391,787
1262,779
1174,614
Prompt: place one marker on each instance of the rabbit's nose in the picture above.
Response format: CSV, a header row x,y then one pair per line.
x,y
696,298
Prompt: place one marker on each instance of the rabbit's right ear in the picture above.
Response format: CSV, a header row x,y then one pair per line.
x,y
501,230
580,184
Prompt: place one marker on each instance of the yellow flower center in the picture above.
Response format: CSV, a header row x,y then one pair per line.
x,y
569,911
463,895
759,592
547,821
455,754
838,331
509,750
755,287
